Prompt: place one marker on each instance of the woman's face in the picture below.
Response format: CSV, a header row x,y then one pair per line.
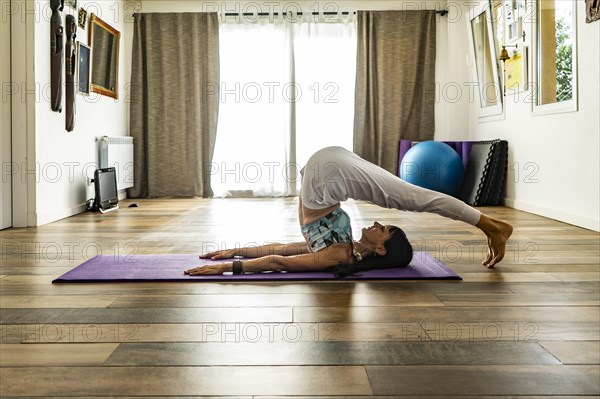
x,y
377,234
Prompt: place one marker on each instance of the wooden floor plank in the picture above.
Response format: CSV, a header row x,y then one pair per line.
x,y
498,276
366,314
218,332
521,331
33,270
436,397
274,300
30,279
248,353
556,299
57,301
484,380
528,268
16,333
574,352
575,276
152,315
282,288
165,397
561,287
329,397
88,354
311,332
168,381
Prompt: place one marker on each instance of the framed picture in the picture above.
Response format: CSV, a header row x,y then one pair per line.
x,y
592,10
511,20
84,57
82,18
516,72
514,11
72,4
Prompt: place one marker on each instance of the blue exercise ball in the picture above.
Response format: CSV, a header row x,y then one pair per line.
x,y
433,165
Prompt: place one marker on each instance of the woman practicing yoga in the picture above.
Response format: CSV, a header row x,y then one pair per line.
x,y
333,175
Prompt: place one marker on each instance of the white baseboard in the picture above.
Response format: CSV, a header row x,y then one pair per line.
x,y
566,217
41,218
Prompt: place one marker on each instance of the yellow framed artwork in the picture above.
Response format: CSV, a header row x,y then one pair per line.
x,y
516,72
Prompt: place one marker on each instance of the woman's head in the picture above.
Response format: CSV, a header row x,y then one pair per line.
x,y
374,238
396,252
399,249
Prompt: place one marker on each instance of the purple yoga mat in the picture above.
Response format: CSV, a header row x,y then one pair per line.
x,y
106,268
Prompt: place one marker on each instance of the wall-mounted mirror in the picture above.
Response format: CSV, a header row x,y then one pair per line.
x,y
104,41
486,65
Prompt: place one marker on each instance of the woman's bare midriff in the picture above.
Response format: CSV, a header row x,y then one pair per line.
x,y
307,215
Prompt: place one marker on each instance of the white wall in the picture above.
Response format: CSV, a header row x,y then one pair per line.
x,y
63,159
553,159
23,101
5,130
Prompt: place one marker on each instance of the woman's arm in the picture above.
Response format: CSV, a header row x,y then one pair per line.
x,y
296,248
320,261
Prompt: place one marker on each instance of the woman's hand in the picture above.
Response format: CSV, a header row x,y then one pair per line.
x,y
210,269
222,254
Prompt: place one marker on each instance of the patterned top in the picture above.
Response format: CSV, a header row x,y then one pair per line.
x,y
332,228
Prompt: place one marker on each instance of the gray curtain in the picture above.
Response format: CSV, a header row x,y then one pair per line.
x,y
174,103
395,83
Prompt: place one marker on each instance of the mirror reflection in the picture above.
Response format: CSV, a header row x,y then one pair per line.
x,y
104,40
485,61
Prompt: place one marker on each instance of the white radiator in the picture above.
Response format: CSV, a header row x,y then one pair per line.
x,y
117,152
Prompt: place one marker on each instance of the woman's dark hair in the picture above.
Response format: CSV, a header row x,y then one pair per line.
x,y
399,254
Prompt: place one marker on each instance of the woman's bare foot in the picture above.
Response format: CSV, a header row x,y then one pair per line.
x,y
497,233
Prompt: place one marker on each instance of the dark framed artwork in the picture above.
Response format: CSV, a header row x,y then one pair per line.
x,y
592,10
84,57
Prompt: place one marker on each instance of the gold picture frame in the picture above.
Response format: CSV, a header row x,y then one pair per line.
x,y
104,41
82,18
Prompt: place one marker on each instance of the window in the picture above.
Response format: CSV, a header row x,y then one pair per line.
x,y
556,73
287,90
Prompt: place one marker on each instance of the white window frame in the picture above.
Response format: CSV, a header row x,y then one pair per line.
x,y
571,105
495,112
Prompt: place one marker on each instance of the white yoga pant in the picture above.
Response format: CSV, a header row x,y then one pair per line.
x,y
334,174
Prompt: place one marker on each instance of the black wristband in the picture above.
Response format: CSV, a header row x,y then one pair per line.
x,y
238,267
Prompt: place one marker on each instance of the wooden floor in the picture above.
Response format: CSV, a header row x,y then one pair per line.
x,y
529,328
